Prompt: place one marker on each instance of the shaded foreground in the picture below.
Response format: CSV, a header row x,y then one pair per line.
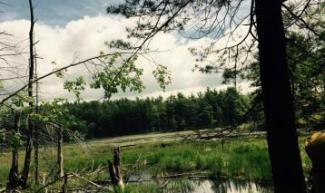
x,y
162,157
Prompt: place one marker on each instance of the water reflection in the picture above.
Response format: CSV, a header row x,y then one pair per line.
x,y
230,186
145,183
217,186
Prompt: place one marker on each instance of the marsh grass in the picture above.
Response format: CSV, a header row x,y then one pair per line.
x,y
141,188
179,186
245,158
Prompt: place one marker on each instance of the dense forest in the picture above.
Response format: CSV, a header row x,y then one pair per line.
x,y
119,117
210,109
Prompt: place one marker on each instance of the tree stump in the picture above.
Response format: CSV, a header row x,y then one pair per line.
x,y
315,148
114,169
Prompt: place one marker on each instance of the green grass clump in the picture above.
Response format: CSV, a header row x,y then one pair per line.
x,y
247,159
250,161
142,188
4,173
179,186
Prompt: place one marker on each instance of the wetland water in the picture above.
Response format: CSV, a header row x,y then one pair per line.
x,y
229,186
203,185
182,185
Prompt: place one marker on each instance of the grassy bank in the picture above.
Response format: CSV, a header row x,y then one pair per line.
x,y
245,158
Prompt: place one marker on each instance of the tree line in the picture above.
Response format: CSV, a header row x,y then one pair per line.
x,y
124,116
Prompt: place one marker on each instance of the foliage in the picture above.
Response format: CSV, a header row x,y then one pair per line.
x,y
306,64
75,86
161,74
15,140
126,75
57,114
12,121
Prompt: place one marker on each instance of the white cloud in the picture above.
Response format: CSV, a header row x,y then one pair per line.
x,y
85,38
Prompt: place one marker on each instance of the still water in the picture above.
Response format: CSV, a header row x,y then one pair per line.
x,y
208,186
181,185
214,186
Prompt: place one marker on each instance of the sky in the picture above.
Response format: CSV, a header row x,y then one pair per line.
x,y
70,30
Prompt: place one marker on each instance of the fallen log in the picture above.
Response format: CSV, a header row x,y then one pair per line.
x,y
182,175
85,179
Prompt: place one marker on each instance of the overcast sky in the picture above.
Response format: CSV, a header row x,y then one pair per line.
x,y
70,30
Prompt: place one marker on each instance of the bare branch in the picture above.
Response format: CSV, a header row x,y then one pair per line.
x,y
57,71
299,18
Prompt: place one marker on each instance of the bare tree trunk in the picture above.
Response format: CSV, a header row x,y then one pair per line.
x,y
36,152
114,169
278,100
36,127
14,179
28,155
60,152
29,146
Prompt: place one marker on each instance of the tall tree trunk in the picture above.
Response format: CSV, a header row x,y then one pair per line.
x,y
29,146
60,152
278,100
